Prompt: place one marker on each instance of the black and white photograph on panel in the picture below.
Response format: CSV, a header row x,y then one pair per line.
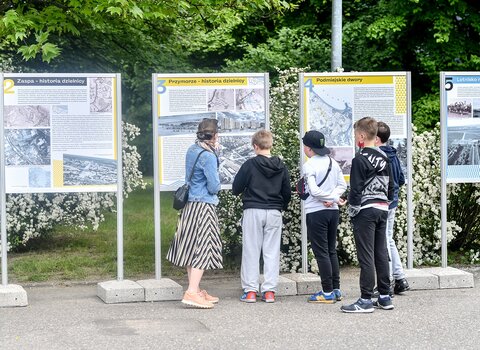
x,y
476,107
26,116
343,156
221,100
60,109
27,147
101,95
250,99
83,170
241,121
39,177
333,118
459,108
235,150
464,143
181,124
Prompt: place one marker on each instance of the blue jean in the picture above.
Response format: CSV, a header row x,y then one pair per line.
x,y
396,269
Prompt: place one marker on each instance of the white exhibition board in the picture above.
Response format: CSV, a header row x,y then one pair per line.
x,y
333,102
61,132
461,118
460,136
240,103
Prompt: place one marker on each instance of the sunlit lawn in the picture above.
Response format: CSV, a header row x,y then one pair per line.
x,y
92,255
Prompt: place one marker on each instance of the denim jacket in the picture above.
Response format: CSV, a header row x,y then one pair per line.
x,y
205,182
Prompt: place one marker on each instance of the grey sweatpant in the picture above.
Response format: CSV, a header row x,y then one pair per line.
x,y
262,231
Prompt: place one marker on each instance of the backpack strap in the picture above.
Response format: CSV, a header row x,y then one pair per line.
x,y
328,172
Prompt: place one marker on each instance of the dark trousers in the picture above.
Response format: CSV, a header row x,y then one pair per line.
x,y
369,227
322,234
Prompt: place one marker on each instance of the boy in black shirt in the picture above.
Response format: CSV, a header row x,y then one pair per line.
x,y
265,184
371,190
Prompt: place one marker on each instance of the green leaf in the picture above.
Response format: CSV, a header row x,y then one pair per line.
x,y
136,12
42,37
114,10
10,18
49,51
28,51
20,36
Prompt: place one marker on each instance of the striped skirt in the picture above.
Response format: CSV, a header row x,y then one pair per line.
x,y
197,242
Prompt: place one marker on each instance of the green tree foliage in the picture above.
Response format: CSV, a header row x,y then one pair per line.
x,y
421,36
134,37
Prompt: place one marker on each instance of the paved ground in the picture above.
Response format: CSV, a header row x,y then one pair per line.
x,y
72,317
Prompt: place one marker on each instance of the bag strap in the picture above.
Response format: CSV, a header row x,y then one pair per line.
x,y
193,168
328,172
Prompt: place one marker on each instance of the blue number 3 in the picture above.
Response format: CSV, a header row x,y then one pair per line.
x,y
161,88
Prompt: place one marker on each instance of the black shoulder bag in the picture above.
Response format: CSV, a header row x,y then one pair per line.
x,y
180,197
301,186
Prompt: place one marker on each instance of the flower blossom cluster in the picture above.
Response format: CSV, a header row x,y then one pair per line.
x,y
33,215
284,122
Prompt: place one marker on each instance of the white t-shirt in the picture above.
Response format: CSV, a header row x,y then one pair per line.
x,y
314,171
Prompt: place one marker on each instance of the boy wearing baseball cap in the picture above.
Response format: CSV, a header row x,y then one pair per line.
x,y
324,184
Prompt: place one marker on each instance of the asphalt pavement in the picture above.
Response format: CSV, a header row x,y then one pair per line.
x,y
73,317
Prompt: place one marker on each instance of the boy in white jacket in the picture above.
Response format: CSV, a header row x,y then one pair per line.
x,y
325,184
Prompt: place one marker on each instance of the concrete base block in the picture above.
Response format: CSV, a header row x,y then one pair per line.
x,y
307,283
112,292
450,277
285,286
12,295
421,279
161,290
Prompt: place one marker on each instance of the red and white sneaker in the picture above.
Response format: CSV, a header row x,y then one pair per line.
x,y
268,297
249,297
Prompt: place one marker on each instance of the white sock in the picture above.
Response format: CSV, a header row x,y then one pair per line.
x,y
384,296
327,293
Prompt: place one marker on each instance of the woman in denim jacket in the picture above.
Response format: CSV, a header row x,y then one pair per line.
x,y
197,244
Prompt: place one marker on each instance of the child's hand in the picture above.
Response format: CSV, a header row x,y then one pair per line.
x,y
328,204
342,201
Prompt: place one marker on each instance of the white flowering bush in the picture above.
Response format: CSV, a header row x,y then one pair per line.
x,y
33,215
284,122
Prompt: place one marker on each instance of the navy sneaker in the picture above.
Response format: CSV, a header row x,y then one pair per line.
x,y
360,306
384,303
321,297
401,286
338,294
376,293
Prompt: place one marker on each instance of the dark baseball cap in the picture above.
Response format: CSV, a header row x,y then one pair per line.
x,y
316,141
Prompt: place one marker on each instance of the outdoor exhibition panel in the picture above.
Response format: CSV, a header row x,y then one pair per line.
x,y
239,101
460,135
62,133
333,102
